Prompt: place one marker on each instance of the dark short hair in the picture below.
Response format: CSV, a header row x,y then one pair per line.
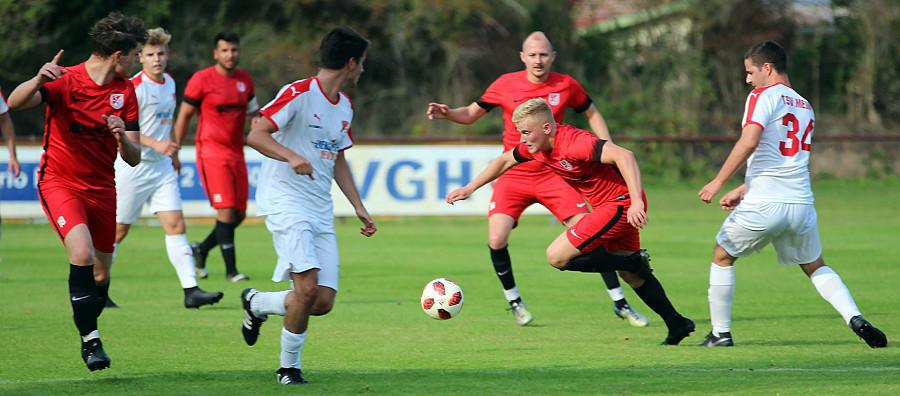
x,y
339,46
768,52
228,37
117,32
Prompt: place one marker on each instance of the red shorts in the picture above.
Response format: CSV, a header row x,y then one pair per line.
x,y
67,208
606,226
513,193
225,183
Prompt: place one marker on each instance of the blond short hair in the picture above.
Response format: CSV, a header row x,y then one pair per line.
x,y
532,108
158,36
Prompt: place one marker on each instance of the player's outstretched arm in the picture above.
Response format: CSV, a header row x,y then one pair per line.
x,y
344,179
27,94
260,138
745,146
9,135
461,115
496,168
597,123
624,160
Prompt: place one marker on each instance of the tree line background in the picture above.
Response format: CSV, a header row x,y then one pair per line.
x,y
677,71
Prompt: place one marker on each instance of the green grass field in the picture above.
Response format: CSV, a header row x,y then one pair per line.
x,y
377,340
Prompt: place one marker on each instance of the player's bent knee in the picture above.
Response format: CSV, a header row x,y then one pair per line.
x,y
498,242
322,307
81,255
555,260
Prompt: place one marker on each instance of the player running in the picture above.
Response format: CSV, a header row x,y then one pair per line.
x,y
608,177
775,203
304,132
224,96
532,183
92,113
155,181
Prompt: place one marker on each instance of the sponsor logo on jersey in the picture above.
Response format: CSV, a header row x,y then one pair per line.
x,y
553,99
580,205
566,164
117,100
61,221
325,145
241,87
294,91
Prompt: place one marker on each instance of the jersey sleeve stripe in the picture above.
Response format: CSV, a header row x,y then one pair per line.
x,y
751,106
191,101
754,123
598,150
584,106
487,106
277,128
519,156
288,93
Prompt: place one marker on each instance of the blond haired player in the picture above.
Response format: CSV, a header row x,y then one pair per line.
x,y
775,203
155,182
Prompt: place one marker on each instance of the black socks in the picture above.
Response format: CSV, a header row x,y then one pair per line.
x,y
503,267
225,236
652,293
601,261
85,298
610,279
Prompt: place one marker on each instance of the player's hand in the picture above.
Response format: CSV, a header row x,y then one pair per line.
x,y
458,195
731,199
368,229
14,168
51,70
176,162
636,214
710,190
301,166
437,111
116,125
165,147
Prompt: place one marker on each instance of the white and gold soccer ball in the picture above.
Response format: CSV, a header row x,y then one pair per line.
x,y
442,299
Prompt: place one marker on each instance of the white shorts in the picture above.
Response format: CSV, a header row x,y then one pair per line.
x,y
791,228
152,183
301,246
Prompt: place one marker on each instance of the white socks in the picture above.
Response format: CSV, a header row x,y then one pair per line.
x,y
721,295
616,294
182,259
833,290
265,303
91,336
512,294
291,344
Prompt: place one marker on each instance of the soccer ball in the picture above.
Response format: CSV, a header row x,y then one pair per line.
x,y
442,299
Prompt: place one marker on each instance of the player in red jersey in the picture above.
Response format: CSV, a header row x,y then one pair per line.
x,y
608,177
532,183
92,113
224,96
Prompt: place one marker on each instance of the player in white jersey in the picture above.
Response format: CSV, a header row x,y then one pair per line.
x,y
775,203
304,132
155,180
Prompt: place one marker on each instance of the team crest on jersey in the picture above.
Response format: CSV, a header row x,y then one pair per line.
x,y
61,221
345,126
117,100
553,99
566,164
241,86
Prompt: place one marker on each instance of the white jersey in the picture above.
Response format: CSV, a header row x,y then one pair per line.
x,y
156,101
317,129
778,170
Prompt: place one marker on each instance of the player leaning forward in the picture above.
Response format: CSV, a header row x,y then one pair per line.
x,y
155,181
304,132
608,177
92,116
775,203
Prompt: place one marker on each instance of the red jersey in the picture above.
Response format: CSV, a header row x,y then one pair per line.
x,y
222,102
512,89
79,150
576,158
